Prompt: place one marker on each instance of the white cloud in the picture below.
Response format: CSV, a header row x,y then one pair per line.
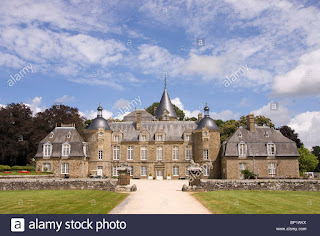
x,y
279,117
2,106
65,99
120,103
92,114
307,126
224,115
304,79
188,114
35,105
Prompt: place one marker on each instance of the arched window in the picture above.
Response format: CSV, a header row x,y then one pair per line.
x,y
47,149
66,148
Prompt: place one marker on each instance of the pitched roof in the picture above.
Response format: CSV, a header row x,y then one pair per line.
x,y
165,104
60,136
256,142
145,116
173,129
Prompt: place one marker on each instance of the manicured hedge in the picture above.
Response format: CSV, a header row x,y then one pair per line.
x,y
29,168
4,168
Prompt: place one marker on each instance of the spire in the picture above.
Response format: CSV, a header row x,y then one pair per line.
x,y
165,80
165,104
99,110
206,110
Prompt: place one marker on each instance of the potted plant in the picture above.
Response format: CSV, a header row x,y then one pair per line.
x,y
169,176
150,176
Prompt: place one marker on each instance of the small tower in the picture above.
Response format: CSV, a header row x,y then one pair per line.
x,y
99,111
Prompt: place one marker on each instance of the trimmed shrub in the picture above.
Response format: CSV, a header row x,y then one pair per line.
x,y
4,168
28,168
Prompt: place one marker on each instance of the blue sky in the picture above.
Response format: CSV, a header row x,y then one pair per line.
x,y
85,52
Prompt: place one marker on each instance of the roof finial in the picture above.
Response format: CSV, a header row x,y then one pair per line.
x,y
165,80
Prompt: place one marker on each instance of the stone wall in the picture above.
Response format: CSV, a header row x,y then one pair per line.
x,y
268,184
57,184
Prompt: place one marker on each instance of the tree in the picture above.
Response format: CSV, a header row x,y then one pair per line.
x,y
307,161
316,151
227,129
191,119
46,121
180,113
290,134
219,123
16,141
262,120
87,123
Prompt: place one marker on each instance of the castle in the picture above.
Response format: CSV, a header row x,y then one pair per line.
x,y
161,147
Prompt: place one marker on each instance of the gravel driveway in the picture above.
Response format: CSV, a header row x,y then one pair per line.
x,y
160,197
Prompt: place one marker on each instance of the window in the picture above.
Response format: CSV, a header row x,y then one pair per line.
x,y
188,153
130,153
69,135
266,134
175,171
272,169
116,153
206,170
165,117
116,138
143,153
46,167
47,150
239,134
143,138
205,133
143,171
159,153
188,137
65,168
101,134
131,170
85,149
205,154
100,170
271,148
175,153
100,155
65,149
242,149
159,138
242,166
51,135
115,171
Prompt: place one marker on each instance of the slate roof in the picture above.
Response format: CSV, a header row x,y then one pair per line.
x,y
132,117
99,122
207,122
59,137
173,129
165,104
256,142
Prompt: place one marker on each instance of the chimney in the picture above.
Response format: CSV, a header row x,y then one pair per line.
x,y
251,123
138,125
154,110
199,117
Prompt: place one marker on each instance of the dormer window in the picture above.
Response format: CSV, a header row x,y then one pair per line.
x,y
69,135
100,133
205,133
188,137
266,134
143,138
242,149
159,137
271,149
47,150
51,135
116,138
66,148
240,135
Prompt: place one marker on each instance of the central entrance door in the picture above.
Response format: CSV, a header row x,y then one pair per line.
x,y
159,174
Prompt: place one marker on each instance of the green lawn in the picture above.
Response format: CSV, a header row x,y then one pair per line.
x,y
59,201
260,202
31,173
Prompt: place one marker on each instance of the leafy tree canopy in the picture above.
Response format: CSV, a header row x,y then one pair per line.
x,y
307,161
291,134
316,151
